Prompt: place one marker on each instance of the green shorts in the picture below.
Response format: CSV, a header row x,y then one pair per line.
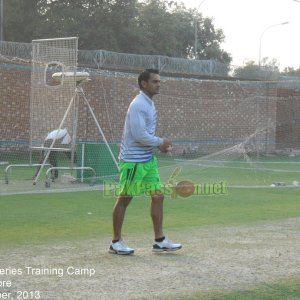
x,y
139,178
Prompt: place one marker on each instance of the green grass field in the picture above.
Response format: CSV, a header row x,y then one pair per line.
x,y
289,290
35,219
234,169
44,218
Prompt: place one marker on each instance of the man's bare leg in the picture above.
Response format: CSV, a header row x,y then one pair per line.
x,y
119,214
157,214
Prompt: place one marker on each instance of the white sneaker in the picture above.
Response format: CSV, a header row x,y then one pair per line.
x,y
120,248
165,245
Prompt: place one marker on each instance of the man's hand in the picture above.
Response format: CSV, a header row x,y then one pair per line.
x,y
166,146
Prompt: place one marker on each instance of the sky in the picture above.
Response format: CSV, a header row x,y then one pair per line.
x,y
245,25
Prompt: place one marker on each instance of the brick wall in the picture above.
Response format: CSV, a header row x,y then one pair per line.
x,y
14,104
203,115
288,119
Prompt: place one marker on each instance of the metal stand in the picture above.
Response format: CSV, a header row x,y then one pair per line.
x,y
74,101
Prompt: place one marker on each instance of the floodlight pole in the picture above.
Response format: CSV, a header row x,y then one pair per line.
x,y
261,36
196,31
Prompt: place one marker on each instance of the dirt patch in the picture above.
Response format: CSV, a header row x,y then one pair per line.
x,y
212,258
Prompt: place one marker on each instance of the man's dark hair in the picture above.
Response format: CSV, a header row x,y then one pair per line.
x,y
145,76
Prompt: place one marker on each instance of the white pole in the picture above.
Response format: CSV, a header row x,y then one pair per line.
x,y
100,130
261,36
1,20
82,160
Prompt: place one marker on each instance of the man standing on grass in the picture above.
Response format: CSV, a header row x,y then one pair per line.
x,y
138,166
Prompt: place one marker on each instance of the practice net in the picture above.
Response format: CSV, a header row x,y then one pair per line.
x,y
226,133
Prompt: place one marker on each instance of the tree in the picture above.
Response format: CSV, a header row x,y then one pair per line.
x,y
164,29
289,71
158,27
21,18
268,71
209,40
89,20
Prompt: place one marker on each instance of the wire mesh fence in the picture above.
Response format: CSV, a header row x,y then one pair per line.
x,y
244,132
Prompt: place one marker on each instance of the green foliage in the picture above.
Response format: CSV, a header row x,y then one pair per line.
x,y
289,71
157,27
267,70
209,40
21,19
